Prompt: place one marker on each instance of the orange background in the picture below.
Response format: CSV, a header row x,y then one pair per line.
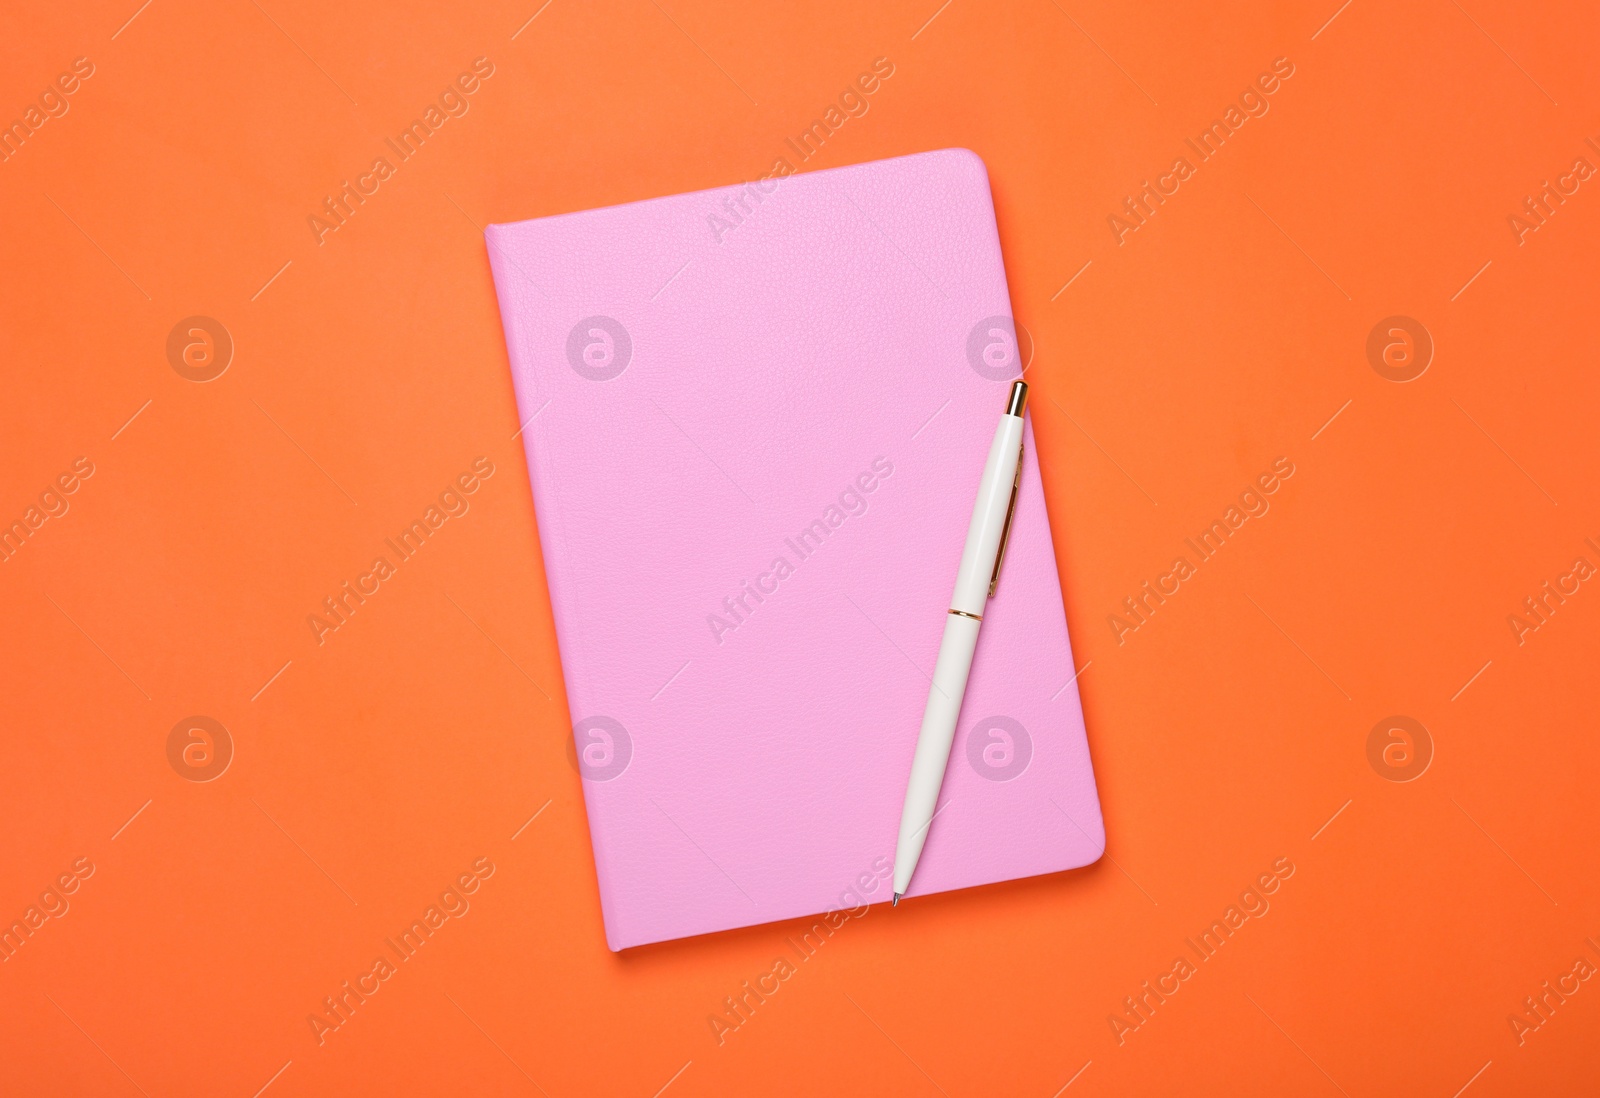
x,y
373,769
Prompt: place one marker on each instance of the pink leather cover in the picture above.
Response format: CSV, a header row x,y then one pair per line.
x,y
707,376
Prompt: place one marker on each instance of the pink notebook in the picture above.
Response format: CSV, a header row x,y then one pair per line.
x,y
755,419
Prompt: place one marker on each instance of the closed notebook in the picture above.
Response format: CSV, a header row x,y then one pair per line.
x,y
755,418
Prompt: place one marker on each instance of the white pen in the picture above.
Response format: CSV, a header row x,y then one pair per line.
x,y
975,585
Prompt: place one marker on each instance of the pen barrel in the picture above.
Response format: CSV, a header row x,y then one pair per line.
x,y
985,531
933,742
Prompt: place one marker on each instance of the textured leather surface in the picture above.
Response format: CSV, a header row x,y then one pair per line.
x,y
826,331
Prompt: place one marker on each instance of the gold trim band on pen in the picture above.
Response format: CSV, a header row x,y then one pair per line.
x,y
963,613
1018,399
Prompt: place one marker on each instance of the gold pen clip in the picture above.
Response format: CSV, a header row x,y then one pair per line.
x,y
1005,531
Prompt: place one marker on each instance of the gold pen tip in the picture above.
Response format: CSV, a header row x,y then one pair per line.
x,y
1018,399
